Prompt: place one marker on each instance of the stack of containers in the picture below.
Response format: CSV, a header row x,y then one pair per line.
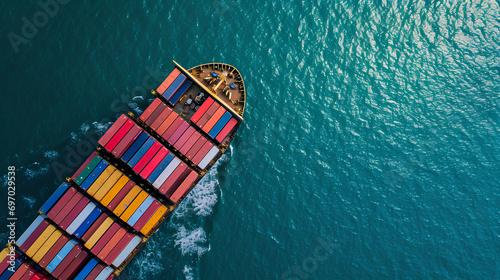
x,y
174,86
22,269
120,195
148,158
214,120
179,133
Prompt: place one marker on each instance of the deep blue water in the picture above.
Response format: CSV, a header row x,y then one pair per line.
x,y
372,127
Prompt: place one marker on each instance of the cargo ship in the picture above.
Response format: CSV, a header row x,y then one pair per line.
x,y
97,221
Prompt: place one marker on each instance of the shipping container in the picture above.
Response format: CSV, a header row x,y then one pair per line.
x,y
104,189
168,81
184,187
151,223
105,238
159,169
51,254
8,272
171,129
80,177
99,232
161,118
105,273
202,153
178,182
167,123
202,110
61,255
208,114
208,157
117,249
46,246
67,260
78,220
27,233
119,135
158,111
226,130
129,211
184,138
153,163
127,201
95,225
174,86
140,153
77,210
115,201
180,92
147,157
94,174
109,247
87,269
151,108
53,198
21,270
169,183
40,240
95,272
178,132
147,215
34,236
164,175
196,147
74,267
219,125
214,119
87,223
129,153
140,210
127,141
61,203
29,274
112,130
136,240
103,177
67,208
190,142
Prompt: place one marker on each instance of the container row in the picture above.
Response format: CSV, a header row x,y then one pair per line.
x,y
63,256
179,133
214,119
174,86
21,269
115,191
148,158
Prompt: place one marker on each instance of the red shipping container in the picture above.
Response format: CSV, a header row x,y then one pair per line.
x,y
119,135
147,157
151,108
127,141
202,110
61,203
167,123
202,152
161,118
67,208
184,137
33,237
21,270
210,112
105,238
118,248
157,112
75,266
67,261
168,81
74,213
94,227
153,163
29,274
95,272
196,147
184,187
112,130
225,131
214,119
111,244
165,187
147,214
170,131
178,182
53,251
190,142
178,133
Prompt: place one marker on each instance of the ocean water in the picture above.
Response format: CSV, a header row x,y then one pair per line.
x,y
370,147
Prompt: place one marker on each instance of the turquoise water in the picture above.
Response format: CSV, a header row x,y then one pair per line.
x,y
371,127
